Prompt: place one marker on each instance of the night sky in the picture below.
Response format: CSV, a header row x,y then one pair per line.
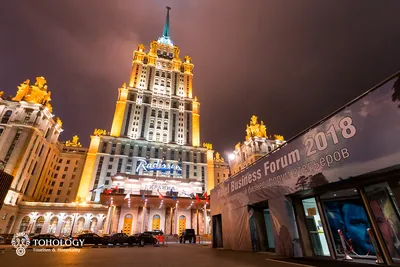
x,y
289,62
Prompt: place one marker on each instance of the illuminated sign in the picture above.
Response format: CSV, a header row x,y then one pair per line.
x,y
157,166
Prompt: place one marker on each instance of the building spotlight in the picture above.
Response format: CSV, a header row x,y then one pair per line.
x,y
231,156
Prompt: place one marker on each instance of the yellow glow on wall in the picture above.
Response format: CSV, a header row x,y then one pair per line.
x,y
84,185
210,171
119,112
196,124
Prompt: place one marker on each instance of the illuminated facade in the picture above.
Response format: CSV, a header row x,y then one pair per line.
x,y
257,144
154,143
221,169
44,169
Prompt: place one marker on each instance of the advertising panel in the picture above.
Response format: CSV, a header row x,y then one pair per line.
x,y
360,138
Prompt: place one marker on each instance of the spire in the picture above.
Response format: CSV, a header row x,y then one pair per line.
x,y
165,39
166,25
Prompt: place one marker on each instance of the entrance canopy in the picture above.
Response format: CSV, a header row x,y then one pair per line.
x,y
135,201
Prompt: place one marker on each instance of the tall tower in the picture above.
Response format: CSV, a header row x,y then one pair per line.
x,y
156,118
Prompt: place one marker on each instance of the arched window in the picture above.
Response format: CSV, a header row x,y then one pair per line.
x,y
166,115
158,124
153,113
156,82
161,103
93,224
158,137
66,229
163,74
158,73
9,224
150,136
24,224
6,116
165,138
79,225
39,225
53,225
160,114
165,125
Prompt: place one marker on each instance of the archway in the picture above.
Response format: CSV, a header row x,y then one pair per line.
x,y
156,222
53,225
9,224
80,225
182,223
127,227
24,224
39,225
93,224
66,229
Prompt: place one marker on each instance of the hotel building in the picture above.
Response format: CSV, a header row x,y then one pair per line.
x,y
151,166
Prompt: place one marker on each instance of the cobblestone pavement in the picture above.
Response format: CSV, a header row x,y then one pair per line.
x,y
175,255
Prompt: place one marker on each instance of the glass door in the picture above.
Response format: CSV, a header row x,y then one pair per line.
x,y
315,228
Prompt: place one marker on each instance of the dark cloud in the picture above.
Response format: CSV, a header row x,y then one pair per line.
x,y
289,62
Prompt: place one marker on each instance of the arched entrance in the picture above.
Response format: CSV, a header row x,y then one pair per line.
x,y
66,229
53,225
9,224
80,225
93,224
24,224
39,225
155,225
182,223
127,227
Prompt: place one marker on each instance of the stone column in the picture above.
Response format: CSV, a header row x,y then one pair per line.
x,y
167,224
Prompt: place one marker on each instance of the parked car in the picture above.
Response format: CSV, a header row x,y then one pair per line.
x,y
120,238
90,238
157,232
189,235
5,239
144,238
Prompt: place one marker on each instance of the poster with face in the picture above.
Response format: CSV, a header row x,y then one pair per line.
x,y
349,216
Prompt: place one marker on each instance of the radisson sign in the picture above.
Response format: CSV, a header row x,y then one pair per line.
x,y
157,166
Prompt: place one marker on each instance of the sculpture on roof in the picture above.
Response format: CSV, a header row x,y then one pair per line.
x,y
74,143
36,93
99,132
218,158
255,129
208,146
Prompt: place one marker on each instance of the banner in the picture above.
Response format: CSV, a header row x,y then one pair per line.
x,y
360,138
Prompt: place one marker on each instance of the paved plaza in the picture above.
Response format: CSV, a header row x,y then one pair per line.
x,y
175,255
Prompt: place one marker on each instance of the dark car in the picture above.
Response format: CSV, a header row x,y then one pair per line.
x,y
157,232
42,237
5,239
189,235
120,238
144,238
90,238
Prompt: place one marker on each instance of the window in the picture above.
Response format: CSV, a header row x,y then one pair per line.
x,y
160,114
68,161
6,116
66,169
109,167
53,183
58,192
63,176
61,184
51,191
